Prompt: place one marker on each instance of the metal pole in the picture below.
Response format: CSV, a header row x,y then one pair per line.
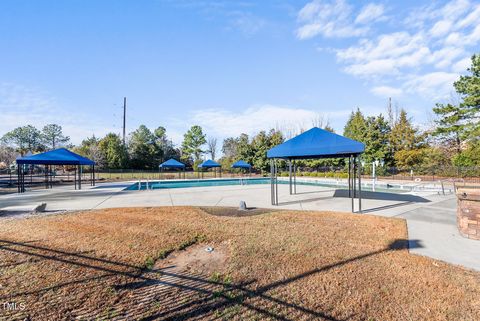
x,y
79,176
93,175
271,182
294,177
359,186
276,182
290,175
351,192
354,177
349,178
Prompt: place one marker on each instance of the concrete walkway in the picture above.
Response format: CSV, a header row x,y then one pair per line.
x,y
430,217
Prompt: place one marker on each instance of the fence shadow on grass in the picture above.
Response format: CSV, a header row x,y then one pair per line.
x,y
171,294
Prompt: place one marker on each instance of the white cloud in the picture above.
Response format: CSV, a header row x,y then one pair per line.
x,y
441,28
429,50
20,105
435,85
224,123
462,65
329,19
386,91
371,12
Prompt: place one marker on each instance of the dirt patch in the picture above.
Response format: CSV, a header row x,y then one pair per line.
x,y
234,212
204,259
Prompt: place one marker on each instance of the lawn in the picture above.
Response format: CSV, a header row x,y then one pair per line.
x,y
151,263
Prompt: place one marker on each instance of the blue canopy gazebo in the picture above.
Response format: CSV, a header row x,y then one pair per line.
x,y
173,163
242,165
61,156
313,144
210,164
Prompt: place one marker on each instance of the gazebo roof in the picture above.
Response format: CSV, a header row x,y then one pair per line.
x,y
172,163
241,164
317,143
209,163
61,156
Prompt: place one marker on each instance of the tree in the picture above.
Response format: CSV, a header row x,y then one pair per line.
x,y
7,155
52,136
212,147
261,143
24,139
469,157
457,123
113,151
376,139
193,140
229,147
356,126
164,148
89,148
141,149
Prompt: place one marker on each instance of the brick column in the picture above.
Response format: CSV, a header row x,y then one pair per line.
x,y
468,212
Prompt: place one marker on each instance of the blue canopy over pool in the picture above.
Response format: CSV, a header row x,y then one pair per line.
x,y
241,164
61,156
172,163
317,143
209,164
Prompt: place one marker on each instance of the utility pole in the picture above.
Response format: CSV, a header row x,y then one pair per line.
x,y
124,117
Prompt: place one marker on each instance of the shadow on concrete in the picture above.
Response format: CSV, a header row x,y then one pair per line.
x,y
180,295
384,196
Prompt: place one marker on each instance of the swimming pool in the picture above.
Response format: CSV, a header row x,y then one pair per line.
x,y
259,181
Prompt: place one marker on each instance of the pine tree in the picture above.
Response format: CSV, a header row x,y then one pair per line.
x,y
459,122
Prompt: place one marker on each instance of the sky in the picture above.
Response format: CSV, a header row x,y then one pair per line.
x,y
229,66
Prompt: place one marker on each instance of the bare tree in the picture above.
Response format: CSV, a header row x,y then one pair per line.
x,y
321,122
212,147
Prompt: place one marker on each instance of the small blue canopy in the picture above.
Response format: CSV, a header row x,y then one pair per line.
x,y
59,156
172,163
209,164
241,164
317,143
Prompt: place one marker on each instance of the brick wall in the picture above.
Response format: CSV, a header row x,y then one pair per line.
x,y
468,212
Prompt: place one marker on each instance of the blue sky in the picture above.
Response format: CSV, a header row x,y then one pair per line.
x,y
229,66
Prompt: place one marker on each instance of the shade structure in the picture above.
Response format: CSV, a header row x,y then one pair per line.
x,y
312,144
317,143
209,164
172,163
241,164
61,156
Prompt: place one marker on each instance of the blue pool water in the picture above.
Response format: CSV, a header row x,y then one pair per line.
x,y
249,181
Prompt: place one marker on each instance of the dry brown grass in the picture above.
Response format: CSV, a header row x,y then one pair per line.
x,y
284,265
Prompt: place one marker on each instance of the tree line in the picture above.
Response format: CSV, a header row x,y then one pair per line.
x,y
453,140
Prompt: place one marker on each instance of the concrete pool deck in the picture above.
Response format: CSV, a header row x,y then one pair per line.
x,y
430,217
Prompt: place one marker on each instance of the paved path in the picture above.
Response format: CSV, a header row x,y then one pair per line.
x,y
430,217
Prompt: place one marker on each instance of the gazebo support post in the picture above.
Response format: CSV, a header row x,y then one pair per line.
x,y
354,177
290,175
276,183
359,185
351,182
79,176
271,181
294,177
349,178
46,176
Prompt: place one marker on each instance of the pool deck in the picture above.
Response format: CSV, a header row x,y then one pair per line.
x,y
430,217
